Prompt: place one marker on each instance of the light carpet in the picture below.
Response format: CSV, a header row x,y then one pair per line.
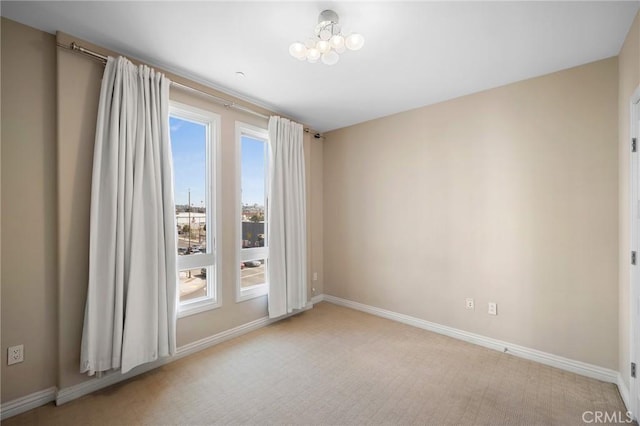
x,y
333,365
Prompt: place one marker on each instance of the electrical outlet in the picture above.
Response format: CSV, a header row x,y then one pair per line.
x,y
15,354
468,303
315,276
493,308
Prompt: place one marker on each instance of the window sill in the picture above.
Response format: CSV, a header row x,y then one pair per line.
x,y
252,292
197,307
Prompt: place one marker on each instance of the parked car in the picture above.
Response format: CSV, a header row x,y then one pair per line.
x,y
252,263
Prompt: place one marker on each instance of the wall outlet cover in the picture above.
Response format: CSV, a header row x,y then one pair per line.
x,y
15,354
468,303
493,308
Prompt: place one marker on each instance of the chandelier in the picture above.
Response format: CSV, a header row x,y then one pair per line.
x,y
328,42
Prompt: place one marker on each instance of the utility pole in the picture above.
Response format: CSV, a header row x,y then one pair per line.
x,y
189,210
189,226
200,224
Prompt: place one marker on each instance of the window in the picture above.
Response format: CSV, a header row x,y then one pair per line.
x,y
194,144
252,151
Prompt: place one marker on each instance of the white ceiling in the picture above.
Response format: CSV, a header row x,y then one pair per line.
x,y
416,53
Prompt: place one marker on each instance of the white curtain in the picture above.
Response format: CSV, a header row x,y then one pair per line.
x,y
130,313
287,229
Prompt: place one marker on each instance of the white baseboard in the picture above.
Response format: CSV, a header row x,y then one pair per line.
x,y
562,363
95,383
201,344
624,392
26,403
207,342
317,299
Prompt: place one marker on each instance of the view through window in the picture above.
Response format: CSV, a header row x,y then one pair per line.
x,y
253,150
193,166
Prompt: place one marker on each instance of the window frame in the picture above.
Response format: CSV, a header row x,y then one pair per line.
x,y
254,253
211,259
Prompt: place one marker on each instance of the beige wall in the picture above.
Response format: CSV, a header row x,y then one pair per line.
x,y
628,81
78,81
316,217
47,156
29,264
508,195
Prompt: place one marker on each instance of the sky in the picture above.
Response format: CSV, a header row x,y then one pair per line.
x,y
189,164
253,172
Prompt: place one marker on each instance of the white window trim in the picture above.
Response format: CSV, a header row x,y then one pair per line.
x,y
244,129
211,259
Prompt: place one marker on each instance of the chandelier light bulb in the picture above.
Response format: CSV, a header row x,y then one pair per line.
x,y
313,55
354,41
328,41
323,46
298,51
337,41
330,58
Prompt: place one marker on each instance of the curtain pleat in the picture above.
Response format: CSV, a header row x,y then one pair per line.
x,y
287,232
131,306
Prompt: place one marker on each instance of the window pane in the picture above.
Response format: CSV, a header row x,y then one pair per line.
x,y
252,273
193,284
189,148
194,141
253,189
253,166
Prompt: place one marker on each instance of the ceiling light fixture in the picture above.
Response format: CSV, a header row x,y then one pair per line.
x,y
328,41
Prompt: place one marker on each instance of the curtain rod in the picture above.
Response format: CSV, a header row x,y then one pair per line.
x,y
224,102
